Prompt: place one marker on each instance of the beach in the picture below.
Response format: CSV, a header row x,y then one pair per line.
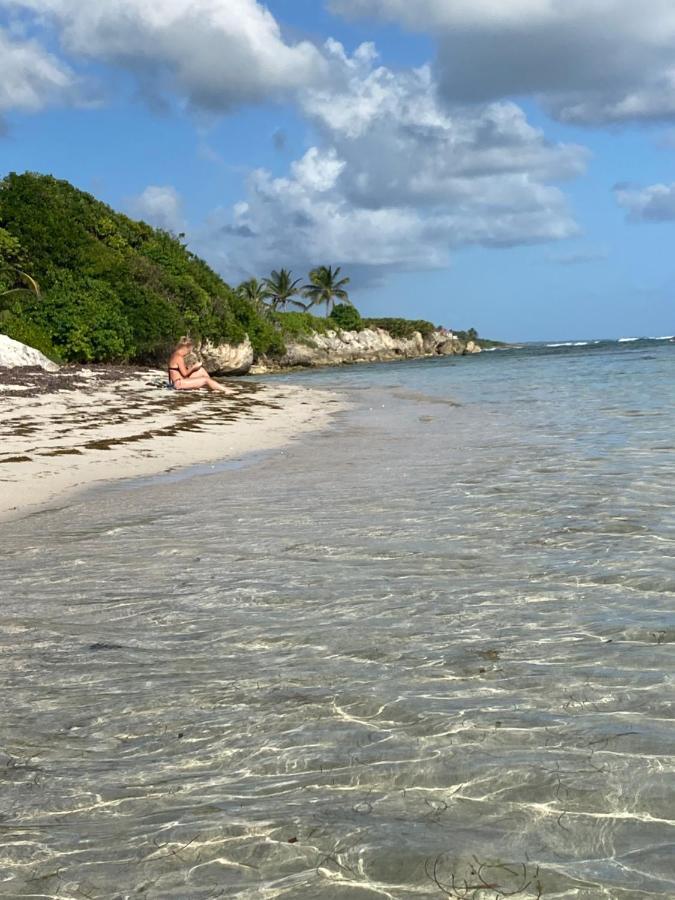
x,y
67,430
425,651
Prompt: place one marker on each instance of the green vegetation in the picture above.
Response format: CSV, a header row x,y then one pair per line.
x,y
11,258
401,328
253,291
472,335
279,290
300,325
325,287
81,282
111,289
347,317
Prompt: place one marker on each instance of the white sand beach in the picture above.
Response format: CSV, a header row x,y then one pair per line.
x,y
68,430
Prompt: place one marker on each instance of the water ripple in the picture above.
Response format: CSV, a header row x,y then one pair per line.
x,y
391,662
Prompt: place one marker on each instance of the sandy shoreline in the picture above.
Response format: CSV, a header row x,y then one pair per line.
x,y
64,432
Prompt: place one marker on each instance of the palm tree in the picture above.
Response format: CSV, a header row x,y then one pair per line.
x,y
12,260
32,286
324,287
253,291
280,289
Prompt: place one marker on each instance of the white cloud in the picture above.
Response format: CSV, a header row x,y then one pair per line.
x,y
655,203
591,61
397,181
395,178
317,172
30,78
399,142
214,53
161,206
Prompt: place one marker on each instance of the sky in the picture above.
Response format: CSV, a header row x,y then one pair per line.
x,y
506,165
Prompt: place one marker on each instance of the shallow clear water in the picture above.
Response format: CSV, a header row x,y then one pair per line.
x,y
426,653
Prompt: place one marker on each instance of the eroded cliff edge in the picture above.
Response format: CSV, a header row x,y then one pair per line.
x,y
334,348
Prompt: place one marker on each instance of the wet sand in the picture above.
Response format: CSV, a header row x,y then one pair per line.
x,y
68,430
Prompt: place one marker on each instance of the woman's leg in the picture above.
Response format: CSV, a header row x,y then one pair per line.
x,y
211,383
214,385
195,382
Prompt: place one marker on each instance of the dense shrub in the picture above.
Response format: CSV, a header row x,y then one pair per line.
x,y
111,288
299,325
346,317
20,329
259,324
471,335
401,328
84,320
11,257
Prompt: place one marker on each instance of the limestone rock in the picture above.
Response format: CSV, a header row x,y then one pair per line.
x,y
369,345
449,346
227,359
472,347
13,353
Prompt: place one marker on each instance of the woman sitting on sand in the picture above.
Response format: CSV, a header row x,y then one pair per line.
x,y
192,378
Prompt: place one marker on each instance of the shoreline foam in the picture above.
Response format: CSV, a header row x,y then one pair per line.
x,y
66,432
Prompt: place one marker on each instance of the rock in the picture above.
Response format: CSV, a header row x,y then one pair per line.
x,y
332,348
13,353
227,359
450,346
472,347
369,345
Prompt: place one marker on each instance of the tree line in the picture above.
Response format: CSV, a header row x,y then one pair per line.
x,y
280,291
84,283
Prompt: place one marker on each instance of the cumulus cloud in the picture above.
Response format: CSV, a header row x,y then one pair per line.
x,y
161,206
655,203
398,181
215,53
30,77
592,61
398,140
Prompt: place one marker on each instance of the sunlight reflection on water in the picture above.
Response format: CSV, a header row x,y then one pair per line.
x,y
425,653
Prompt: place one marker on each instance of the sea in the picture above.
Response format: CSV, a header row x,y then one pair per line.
x,y
425,652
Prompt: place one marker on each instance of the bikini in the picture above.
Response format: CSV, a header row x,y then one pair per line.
x,y
180,375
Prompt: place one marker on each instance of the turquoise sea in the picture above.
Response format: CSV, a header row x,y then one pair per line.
x,y
425,653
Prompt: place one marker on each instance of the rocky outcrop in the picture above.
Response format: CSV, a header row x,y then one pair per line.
x,y
13,353
370,345
332,348
227,359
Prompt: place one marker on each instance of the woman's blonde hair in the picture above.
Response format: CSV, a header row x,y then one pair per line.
x,y
185,341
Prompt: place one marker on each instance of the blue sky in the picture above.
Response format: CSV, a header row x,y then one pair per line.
x,y
508,168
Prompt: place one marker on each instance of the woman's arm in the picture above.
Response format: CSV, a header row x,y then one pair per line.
x,y
177,362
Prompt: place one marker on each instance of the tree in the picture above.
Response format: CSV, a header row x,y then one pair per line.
x,y
324,287
32,287
13,279
347,317
472,334
75,247
253,291
280,289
